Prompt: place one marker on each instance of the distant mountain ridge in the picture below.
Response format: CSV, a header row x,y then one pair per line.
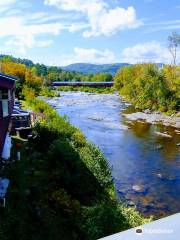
x,y
84,68
87,68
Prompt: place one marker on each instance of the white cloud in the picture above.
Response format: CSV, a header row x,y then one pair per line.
x,y
22,44
93,55
6,4
19,33
101,18
45,17
74,27
164,25
84,55
18,26
147,52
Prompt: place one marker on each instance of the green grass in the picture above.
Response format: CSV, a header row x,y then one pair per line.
x,y
48,92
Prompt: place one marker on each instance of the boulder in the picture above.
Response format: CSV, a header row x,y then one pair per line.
x,y
147,111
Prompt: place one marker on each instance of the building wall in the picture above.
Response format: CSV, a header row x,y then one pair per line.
x,y
4,124
5,121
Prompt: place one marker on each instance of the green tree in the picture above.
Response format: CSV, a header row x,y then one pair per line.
x,y
102,77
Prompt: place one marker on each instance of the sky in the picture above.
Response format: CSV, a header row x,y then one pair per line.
x,y
62,32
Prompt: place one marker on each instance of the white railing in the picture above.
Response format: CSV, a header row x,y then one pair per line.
x,y
167,228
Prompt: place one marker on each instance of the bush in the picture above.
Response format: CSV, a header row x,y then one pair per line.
x,y
48,92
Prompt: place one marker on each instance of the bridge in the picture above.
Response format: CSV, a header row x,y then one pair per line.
x,y
83,84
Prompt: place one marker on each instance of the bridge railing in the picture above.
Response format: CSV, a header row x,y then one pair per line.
x,y
79,84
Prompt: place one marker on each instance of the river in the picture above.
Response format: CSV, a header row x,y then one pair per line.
x,y
145,166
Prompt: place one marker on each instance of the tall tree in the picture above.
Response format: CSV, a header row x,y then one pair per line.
x,y
174,44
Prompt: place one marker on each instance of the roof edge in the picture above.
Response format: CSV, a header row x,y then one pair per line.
x,y
8,77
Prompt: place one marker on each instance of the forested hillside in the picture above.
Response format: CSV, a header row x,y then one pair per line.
x,y
49,73
87,68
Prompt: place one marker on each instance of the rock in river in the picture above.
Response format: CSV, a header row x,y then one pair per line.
x,y
177,131
159,175
158,147
130,204
138,188
163,134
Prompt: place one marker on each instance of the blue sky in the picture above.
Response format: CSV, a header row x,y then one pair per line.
x,y
61,32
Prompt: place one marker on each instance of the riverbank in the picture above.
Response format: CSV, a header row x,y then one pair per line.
x,y
64,185
155,118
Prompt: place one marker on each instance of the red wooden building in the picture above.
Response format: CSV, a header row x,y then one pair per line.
x,y
7,89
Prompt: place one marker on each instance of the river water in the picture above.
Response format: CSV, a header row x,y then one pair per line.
x,y
145,166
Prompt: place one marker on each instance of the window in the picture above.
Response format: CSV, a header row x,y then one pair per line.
x,y
4,97
5,108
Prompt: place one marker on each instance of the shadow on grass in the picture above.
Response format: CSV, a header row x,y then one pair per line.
x,y
60,191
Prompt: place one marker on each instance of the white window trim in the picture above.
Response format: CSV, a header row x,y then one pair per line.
x,y
5,108
7,147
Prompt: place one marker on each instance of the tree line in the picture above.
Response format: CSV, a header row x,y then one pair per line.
x,y
54,73
34,79
149,87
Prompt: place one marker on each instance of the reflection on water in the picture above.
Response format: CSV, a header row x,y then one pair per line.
x,y
145,166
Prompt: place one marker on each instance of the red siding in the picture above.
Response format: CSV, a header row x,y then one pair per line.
x,y
4,122
6,83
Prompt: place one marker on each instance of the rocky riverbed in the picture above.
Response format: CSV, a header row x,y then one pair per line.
x,y
155,118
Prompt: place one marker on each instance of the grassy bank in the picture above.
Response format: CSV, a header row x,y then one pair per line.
x,y
48,92
104,90
62,187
